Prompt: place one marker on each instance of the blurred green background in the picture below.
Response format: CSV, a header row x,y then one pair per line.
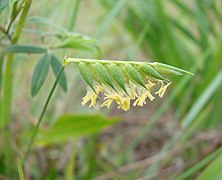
x,y
177,137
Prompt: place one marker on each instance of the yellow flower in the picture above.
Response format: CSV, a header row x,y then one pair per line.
x,y
132,91
123,102
162,89
91,96
125,105
107,103
144,93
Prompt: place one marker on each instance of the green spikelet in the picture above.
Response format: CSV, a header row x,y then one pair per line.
x,y
150,71
117,76
134,74
104,74
86,75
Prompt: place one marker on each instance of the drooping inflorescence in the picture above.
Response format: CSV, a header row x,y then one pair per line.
x,y
123,81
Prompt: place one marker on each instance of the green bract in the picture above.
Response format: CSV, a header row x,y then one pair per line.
x,y
123,81
151,71
134,74
117,76
103,74
86,75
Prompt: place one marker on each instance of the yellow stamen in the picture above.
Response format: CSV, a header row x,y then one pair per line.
x,y
123,102
162,89
91,96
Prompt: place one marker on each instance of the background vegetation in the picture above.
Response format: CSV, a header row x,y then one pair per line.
x,y
178,137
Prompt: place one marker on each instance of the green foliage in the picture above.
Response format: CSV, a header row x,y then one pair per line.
x,y
213,171
3,5
20,171
56,66
40,74
200,165
73,126
176,33
24,49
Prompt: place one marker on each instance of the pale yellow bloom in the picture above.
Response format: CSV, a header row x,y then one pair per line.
x,y
107,103
125,105
91,96
142,99
123,102
162,89
144,93
132,91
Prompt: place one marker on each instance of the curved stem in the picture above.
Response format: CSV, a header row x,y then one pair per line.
x,y
42,114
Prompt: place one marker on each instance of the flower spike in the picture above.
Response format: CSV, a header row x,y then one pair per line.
x,y
123,81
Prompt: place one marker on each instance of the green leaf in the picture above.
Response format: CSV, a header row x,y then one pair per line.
x,y
117,76
165,68
213,171
44,21
203,99
199,165
151,71
69,170
20,171
56,66
86,75
78,41
73,126
24,49
40,73
134,74
104,74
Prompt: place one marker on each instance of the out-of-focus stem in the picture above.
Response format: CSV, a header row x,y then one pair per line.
x,y
42,114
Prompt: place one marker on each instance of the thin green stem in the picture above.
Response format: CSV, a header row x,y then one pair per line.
x,y
154,64
42,115
7,90
77,60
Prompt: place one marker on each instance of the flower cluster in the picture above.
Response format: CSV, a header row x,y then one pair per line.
x,y
134,92
123,81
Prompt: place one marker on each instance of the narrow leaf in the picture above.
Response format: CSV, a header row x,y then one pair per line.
x,y
44,21
134,74
20,171
151,71
117,76
78,41
213,171
56,66
199,165
104,74
40,73
86,75
24,49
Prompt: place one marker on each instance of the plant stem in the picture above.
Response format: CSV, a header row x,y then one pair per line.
x,y
77,60
7,90
74,15
42,114
3,30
